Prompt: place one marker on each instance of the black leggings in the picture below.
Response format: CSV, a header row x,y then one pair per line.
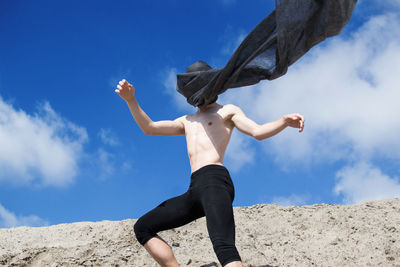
x,y
211,193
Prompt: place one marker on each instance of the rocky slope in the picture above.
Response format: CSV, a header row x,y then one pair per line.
x,y
365,234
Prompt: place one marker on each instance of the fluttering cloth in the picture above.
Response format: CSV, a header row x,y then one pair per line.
x,y
293,28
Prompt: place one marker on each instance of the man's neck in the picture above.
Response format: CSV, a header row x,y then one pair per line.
x,y
205,108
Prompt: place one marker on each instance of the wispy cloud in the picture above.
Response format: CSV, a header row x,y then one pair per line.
x,y
105,164
347,90
362,182
43,148
108,137
9,219
386,4
292,200
239,152
396,2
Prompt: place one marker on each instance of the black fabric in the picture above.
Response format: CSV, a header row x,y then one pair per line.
x,y
293,28
211,193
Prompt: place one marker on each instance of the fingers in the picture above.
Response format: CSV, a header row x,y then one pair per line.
x,y
119,89
301,122
300,118
123,82
296,116
123,87
120,85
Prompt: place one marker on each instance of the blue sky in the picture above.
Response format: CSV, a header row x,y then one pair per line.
x,y
70,150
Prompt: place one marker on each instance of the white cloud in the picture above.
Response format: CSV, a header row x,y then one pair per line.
x,y
362,182
108,137
347,88
9,219
386,4
239,152
42,148
292,200
395,2
348,92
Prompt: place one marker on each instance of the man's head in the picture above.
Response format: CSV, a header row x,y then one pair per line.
x,y
198,66
192,83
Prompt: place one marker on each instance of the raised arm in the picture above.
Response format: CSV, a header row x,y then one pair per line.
x,y
260,132
127,92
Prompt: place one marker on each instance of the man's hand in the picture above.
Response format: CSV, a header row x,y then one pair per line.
x,y
294,120
125,90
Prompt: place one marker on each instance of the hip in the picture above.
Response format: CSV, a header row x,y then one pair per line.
x,y
212,174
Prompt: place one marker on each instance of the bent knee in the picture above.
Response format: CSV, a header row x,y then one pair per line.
x,y
142,232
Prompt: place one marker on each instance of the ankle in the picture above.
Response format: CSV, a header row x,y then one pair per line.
x,y
173,263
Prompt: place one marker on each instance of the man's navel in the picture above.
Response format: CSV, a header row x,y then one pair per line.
x,y
210,123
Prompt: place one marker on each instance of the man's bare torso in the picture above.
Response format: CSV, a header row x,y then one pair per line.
x,y
209,130
207,134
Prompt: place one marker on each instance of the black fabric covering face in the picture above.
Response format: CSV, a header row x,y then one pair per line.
x,y
293,28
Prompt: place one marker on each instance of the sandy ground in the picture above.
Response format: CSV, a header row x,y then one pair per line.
x,y
365,234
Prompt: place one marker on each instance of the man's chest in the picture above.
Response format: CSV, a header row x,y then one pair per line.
x,y
208,124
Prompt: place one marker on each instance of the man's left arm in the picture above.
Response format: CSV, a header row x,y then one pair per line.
x,y
261,132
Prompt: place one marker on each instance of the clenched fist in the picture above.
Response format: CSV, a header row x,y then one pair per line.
x,y
125,90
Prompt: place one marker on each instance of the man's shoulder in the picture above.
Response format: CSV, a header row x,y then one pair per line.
x,y
181,118
231,108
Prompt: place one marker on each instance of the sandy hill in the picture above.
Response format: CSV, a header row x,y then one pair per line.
x,y
365,234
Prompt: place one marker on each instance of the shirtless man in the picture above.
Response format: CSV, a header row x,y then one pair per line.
x,y
211,190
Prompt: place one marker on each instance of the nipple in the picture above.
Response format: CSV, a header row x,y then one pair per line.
x,y
210,123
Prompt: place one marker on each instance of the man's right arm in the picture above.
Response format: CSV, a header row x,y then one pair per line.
x,y
261,132
127,92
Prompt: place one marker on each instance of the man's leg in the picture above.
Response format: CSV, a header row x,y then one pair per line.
x,y
234,264
172,213
161,252
217,205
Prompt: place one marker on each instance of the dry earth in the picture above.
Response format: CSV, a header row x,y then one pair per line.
x,y
365,234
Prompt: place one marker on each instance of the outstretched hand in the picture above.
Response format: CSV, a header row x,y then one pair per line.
x,y
125,90
294,120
